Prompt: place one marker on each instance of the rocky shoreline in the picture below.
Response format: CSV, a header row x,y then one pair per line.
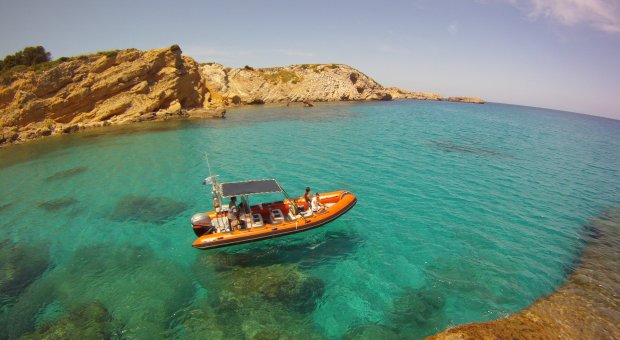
x,y
128,86
586,307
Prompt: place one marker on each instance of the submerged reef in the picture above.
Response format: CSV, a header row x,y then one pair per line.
x,y
5,206
586,307
418,311
57,204
280,283
66,173
85,321
19,266
448,146
145,209
371,331
136,287
257,302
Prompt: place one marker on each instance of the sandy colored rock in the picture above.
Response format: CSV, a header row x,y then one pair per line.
x,y
103,89
471,100
304,83
129,86
398,93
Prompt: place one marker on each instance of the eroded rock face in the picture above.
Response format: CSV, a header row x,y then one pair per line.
x,y
405,94
133,86
471,100
296,83
98,90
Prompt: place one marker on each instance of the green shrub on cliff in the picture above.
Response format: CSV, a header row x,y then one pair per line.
x,y
109,54
29,56
281,76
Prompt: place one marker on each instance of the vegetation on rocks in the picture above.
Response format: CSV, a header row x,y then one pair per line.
x,y
29,56
280,76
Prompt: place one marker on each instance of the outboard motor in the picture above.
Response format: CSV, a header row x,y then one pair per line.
x,y
201,223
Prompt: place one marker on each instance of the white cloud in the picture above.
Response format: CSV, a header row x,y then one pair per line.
x,y
603,15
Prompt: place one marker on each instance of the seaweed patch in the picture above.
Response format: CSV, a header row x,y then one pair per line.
x,y
145,209
58,204
67,173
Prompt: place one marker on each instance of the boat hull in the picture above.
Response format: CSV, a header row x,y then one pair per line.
x,y
345,201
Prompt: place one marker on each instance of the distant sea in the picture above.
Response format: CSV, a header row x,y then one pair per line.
x,y
465,213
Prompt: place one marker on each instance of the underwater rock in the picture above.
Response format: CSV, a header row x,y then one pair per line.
x,y
447,146
371,332
5,206
144,209
85,321
58,204
20,266
67,173
251,316
586,307
284,284
132,279
419,306
461,276
4,322
197,323
418,312
23,314
136,287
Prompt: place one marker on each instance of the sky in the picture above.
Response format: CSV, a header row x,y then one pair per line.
x,y
558,54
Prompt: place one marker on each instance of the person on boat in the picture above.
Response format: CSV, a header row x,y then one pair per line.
x,y
244,214
307,198
233,212
316,204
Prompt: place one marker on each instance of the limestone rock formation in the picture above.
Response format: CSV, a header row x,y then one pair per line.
x,y
398,93
471,100
101,89
296,83
117,87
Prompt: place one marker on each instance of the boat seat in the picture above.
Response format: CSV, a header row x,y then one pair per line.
x,y
327,205
221,223
276,216
257,221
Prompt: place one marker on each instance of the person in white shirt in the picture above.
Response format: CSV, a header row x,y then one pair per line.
x,y
316,204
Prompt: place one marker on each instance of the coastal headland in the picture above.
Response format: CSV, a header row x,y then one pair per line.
x,y
127,86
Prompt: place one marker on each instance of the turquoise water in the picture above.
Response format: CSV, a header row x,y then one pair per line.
x,y
465,213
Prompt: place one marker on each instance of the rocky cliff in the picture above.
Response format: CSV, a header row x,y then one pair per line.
x,y
117,87
295,83
102,89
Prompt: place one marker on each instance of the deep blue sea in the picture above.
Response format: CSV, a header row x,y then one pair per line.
x,y
465,213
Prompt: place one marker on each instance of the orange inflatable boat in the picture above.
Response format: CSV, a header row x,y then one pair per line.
x,y
250,223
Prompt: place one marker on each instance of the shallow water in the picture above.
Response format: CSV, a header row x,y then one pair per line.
x,y
465,213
